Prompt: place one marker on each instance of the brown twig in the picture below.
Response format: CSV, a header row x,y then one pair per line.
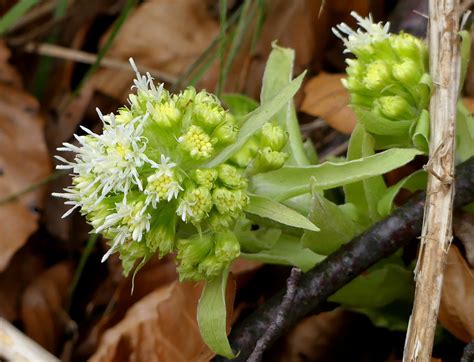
x,y
381,240
279,324
437,225
80,56
468,354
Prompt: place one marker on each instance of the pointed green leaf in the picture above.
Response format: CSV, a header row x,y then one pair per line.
x,y
239,105
264,207
291,181
257,119
211,315
278,73
415,181
287,251
336,225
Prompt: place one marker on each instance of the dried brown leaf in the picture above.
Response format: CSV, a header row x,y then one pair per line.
x,y
457,299
469,103
160,327
23,161
160,34
8,74
326,97
315,338
23,267
463,225
42,305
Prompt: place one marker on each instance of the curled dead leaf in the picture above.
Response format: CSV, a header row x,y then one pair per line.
x,y
160,327
456,312
42,306
24,160
326,97
463,224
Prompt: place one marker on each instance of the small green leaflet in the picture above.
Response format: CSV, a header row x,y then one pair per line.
x,y
211,315
291,181
287,251
257,119
270,209
413,182
277,75
240,105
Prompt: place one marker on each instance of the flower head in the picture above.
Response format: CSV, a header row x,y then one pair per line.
x,y
143,178
362,38
388,82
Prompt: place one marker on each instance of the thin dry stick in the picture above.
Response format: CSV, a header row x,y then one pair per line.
x,y
56,51
279,323
16,346
437,224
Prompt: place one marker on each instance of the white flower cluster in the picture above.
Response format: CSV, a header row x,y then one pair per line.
x,y
354,40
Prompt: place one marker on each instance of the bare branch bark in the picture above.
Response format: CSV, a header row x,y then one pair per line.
x,y
381,240
437,225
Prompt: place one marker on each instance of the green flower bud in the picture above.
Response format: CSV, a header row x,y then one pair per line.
x,y
205,177
193,250
378,75
408,46
226,132
197,143
246,154
226,201
230,177
208,115
195,205
210,267
221,222
395,107
267,160
407,72
124,116
166,115
190,253
129,254
162,232
185,98
273,136
227,247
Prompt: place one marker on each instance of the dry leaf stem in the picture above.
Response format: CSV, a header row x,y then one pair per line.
x,y
339,268
437,225
16,346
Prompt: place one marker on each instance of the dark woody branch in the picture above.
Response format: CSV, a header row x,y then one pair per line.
x,y
381,240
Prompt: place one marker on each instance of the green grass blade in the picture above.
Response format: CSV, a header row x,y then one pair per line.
x,y
16,12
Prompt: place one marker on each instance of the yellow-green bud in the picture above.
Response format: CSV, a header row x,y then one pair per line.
x,y
197,143
226,201
246,154
273,136
221,222
407,72
185,98
208,115
267,160
210,267
165,114
226,132
378,75
407,46
205,177
231,177
195,205
162,232
124,116
227,247
395,107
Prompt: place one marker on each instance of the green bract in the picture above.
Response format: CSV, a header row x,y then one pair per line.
x,y
143,182
388,82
